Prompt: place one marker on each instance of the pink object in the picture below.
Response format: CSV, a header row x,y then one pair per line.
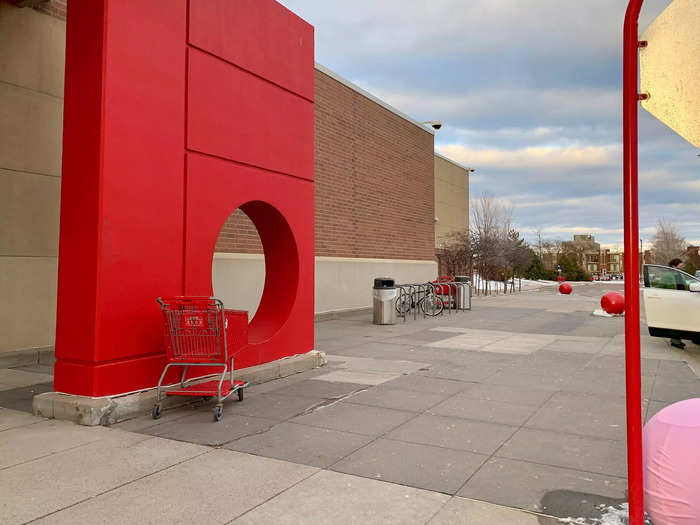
x,y
565,288
672,465
613,303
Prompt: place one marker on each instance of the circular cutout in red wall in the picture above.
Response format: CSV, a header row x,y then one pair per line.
x,y
281,270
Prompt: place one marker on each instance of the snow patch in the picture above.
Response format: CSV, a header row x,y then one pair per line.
x,y
617,515
497,286
602,313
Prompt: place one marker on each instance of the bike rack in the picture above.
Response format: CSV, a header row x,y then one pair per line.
x,y
412,296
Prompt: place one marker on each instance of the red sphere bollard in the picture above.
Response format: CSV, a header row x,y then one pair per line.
x,y
613,303
565,288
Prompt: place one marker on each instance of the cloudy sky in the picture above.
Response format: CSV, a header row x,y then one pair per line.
x,y
529,93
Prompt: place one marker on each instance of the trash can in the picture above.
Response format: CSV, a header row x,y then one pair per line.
x,y
463,294
384,296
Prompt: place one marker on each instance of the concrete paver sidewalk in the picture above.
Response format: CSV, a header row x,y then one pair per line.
x,y
518,404
99,475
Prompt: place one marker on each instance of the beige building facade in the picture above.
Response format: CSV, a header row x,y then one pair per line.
x,y
451,199
592,258
32,56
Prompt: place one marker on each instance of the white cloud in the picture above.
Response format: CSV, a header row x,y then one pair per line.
x,y
571,202
505,103
391,27
529,95
541,157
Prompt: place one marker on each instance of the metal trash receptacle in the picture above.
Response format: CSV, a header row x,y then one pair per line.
x,y
463,293
384,296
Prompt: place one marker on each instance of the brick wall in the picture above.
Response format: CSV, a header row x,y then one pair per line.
x,y
374,182
238,235
55,8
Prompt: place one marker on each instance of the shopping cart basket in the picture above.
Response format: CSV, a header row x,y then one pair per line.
x,y
196,335
446,288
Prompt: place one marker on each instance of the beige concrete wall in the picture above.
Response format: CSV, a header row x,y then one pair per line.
x,y
32,57
238,280
345,283
451,199
341,283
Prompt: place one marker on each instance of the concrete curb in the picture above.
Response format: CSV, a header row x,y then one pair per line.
x,y
341,314
91,411
31,356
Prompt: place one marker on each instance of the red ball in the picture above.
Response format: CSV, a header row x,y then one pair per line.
x,y
565,288
613,303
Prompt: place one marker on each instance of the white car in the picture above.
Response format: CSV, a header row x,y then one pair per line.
x,y
671,303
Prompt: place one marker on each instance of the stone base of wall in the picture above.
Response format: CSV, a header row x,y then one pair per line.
x,y
29,357
343,314
93,411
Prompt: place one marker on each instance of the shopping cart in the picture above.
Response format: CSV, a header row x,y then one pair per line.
x,y
446,288
199,332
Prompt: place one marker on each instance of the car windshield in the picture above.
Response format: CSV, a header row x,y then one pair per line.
x,y
668,278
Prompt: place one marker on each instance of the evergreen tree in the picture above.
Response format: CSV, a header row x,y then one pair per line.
x,y
570,268
537,271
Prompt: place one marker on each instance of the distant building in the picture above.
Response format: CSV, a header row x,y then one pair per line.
x,y
587,252
612,262
592,258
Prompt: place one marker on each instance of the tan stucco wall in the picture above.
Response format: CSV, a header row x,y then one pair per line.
x,y
341,283
238,280
346,283
32,57
451,199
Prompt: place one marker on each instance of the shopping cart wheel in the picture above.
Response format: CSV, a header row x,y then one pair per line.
x,y
218,410
240,394
156,411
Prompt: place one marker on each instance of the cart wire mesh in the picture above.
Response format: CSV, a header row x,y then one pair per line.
x,y
194,329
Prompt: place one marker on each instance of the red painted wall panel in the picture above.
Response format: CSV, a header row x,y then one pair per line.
x,y
135,227
239,116
260,36
143,189
123,201
283,324
80,182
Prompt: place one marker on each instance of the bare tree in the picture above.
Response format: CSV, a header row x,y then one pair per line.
x,y
496,246
486,227
667,242
457,257
491,249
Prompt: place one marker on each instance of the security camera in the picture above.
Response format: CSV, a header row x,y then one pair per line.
x,y
435,124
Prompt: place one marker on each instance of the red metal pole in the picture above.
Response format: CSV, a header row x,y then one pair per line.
x,y
631,221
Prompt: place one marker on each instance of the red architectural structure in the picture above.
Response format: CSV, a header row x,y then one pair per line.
x,y
174,117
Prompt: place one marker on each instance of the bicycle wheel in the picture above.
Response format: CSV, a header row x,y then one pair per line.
x,y
432,305
403,305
